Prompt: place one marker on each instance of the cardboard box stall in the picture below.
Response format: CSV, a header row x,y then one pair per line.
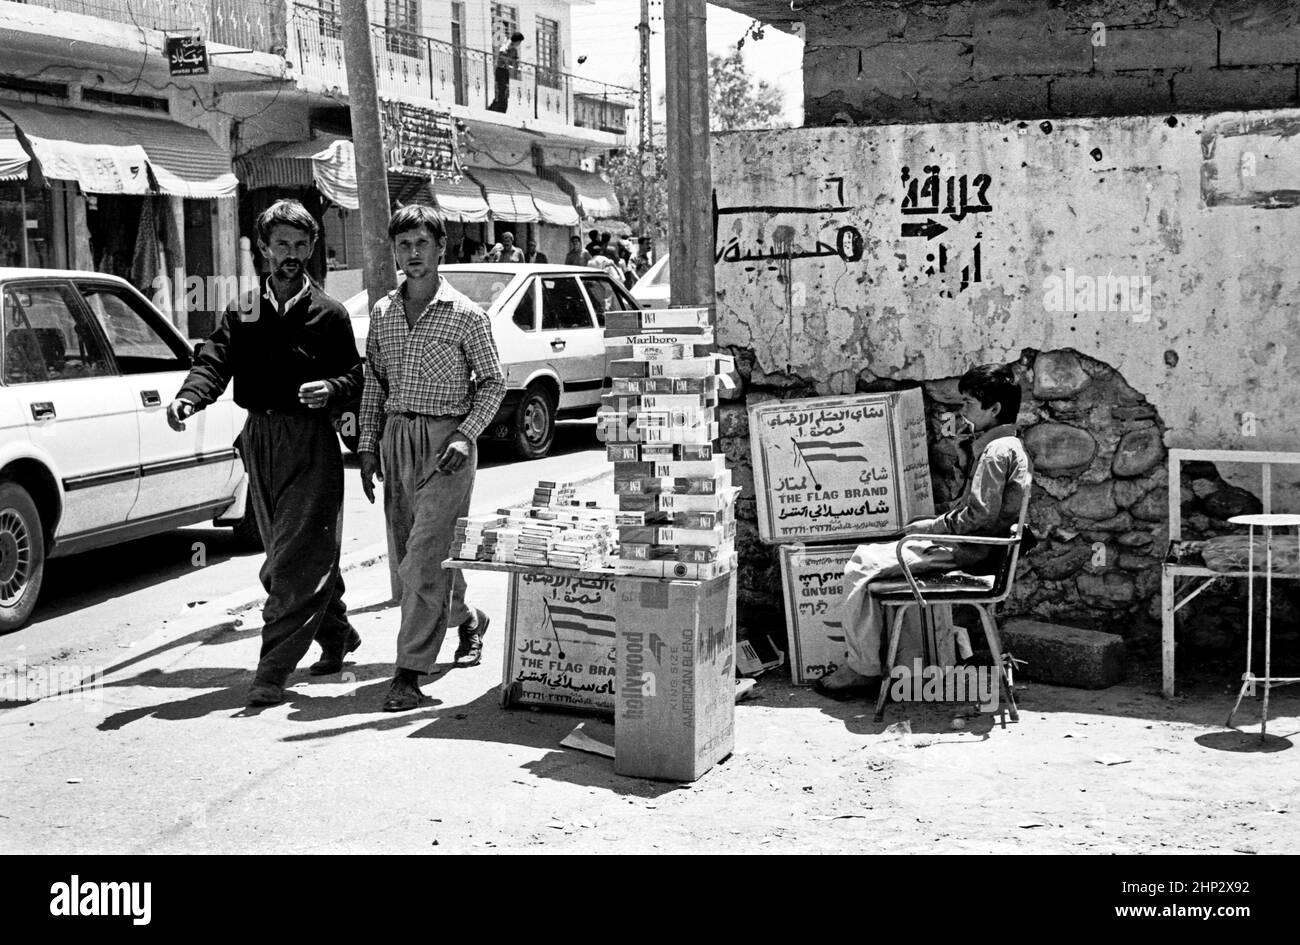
x,y
674,714
560,642
832,468
812,578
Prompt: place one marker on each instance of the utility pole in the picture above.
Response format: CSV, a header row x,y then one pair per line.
x,y
368,142
690,175
646,140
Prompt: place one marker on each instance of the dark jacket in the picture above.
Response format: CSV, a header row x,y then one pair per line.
x,y
270,356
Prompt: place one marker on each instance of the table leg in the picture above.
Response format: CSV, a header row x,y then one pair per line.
x,y
1167,631
1268,626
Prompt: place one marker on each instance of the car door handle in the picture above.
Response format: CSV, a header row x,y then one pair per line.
x,y
43,410
150,398
558,344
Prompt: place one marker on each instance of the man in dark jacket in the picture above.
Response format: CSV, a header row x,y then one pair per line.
x,y
291,354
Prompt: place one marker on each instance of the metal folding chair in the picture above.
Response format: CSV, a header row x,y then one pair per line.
x,y
953,587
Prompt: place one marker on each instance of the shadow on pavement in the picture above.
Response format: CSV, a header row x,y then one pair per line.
x,y
229,688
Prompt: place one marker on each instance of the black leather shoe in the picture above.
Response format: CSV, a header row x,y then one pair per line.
x,y
470,651
328,665
403,696
265,693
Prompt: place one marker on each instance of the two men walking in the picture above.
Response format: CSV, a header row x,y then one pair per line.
x,y
432,383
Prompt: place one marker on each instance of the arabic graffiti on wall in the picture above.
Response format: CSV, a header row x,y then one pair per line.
x,y
839,467
960,197
561,649
813,581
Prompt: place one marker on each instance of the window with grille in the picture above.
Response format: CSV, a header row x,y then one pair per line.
x,y
548,52
402,26
331,27
505,23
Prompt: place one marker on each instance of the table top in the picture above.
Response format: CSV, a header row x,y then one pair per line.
x,y
1268,519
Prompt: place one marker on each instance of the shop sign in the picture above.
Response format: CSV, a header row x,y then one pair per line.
x,y
187,55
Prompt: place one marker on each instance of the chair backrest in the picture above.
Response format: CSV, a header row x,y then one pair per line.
x,y
1007,573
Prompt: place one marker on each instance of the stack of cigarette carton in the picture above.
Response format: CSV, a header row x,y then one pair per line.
x,y
560,533
660,428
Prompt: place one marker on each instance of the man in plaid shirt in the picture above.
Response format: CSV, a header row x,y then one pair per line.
x,y
433,384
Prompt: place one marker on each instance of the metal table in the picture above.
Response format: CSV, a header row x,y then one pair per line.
x,y
1268,522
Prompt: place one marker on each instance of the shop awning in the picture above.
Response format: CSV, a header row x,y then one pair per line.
x,y
553,206
508,199
116,154
405,189
13,159
593,195
327,162
460,200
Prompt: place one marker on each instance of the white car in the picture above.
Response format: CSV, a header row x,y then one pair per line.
x,y
87,368
651,290
548,325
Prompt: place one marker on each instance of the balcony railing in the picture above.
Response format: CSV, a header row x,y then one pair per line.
x,y
417,65
248,24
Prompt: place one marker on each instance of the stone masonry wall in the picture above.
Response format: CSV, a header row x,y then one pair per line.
x,y
1099,506
902,61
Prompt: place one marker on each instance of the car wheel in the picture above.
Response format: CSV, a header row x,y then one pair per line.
x,y
245,530
22,556
534,423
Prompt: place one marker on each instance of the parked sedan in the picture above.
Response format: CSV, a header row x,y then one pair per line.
x,y
651,290
87,367
548,324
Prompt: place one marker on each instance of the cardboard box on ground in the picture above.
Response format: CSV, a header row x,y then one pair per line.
x,y
675,697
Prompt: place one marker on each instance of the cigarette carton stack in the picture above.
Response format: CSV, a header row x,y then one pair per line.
x,y
659,424
558,535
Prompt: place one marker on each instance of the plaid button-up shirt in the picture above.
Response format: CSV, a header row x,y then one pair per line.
x,y
447,365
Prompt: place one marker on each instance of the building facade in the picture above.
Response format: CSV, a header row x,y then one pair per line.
x,y
115,158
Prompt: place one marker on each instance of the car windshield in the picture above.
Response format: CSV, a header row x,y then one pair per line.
x,y
483,287
660,277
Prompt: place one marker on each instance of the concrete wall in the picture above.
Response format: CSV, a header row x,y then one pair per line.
x,y
914,61
1159,251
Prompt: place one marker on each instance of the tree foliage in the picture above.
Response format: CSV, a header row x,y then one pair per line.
x,y
736,101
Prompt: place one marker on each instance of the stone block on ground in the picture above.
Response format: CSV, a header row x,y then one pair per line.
x,y
1065,656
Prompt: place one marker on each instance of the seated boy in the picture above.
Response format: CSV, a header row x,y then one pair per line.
x,y
990,506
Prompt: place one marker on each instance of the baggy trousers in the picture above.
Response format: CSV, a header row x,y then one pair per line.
x,y
295,488
861,614
421,506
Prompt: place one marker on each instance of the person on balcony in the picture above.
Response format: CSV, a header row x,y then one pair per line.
x,y
507,64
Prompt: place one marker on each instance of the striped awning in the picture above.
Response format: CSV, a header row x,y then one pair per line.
x,y
13,159
553,206
507,198
593,195
406,189
460,200
328,163
123,154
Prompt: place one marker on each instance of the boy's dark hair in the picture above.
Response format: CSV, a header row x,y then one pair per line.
x,y
516,37
993,384
286,213
593,235
575,237
605,237
415,216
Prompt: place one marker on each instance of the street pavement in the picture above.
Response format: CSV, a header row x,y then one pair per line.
x,y
115,596
164,757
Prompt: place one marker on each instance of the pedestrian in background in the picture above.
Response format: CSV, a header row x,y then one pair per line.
x,y
291,354
577,256
510,253
532,255
433,382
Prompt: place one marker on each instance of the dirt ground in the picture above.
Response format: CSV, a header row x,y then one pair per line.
x,y
170,761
